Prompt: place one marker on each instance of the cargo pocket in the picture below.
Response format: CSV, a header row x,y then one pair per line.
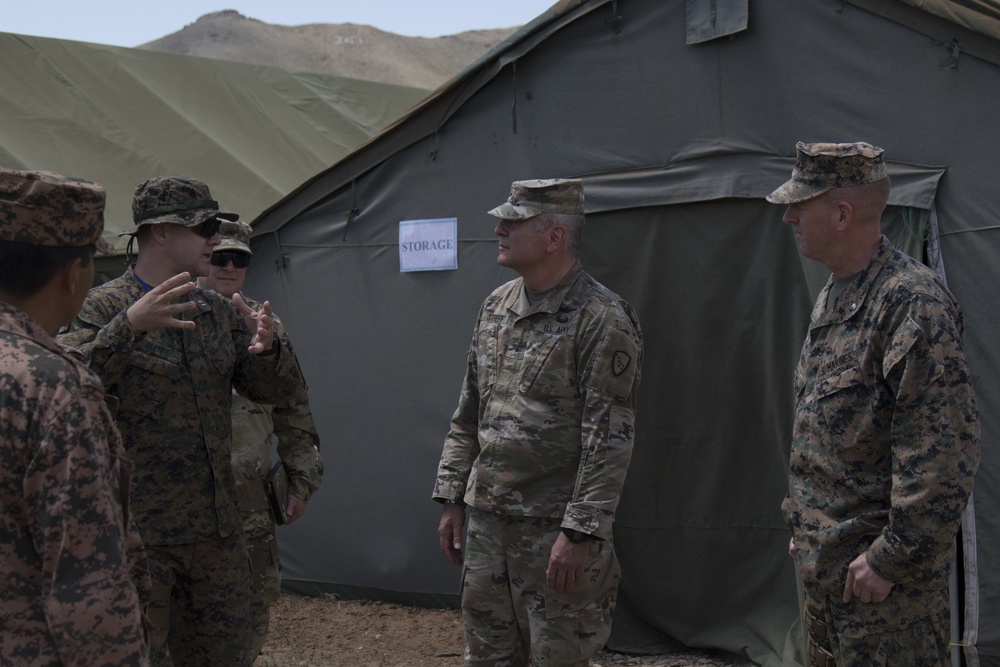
x,y
601,575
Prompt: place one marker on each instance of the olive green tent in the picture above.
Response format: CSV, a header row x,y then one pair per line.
x,y
119,116
680,116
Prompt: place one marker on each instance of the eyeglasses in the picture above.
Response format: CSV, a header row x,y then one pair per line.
x,y
240,260
208,229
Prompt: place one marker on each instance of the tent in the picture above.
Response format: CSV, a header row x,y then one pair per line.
x,y
680,116
119,116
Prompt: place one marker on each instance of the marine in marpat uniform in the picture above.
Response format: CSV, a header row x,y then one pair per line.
x,y
540,443
269,494
171,354
65,585
886,436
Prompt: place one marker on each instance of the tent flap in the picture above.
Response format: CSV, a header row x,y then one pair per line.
x,y
711,19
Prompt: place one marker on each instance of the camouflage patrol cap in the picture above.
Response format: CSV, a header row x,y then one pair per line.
x,y
235,236
46,209
174,199
823,167
548,195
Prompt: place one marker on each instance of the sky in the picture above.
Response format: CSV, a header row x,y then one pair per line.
x,y
134,22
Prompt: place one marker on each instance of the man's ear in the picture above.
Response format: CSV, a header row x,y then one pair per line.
x,y
74,277
845,214
159,233
556,237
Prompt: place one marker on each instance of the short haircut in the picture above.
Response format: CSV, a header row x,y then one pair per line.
x,y
26,268
869,200
573,224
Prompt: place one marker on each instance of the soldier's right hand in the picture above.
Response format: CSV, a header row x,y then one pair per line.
x,y
157,308
450,532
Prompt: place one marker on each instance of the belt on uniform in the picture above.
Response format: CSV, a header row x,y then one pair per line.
x,y
818,639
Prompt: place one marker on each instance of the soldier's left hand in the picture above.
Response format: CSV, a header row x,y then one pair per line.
x,y
864,583
259,322
295,509
566,563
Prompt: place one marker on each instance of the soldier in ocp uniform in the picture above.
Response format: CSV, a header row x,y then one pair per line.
x,y
885,443
540,443
289,421
171,354
65,585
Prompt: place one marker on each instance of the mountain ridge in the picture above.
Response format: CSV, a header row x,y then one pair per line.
x,y
341,49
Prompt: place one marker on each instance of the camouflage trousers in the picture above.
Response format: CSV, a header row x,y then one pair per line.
x,y
265,567
200,608
511,619
910,628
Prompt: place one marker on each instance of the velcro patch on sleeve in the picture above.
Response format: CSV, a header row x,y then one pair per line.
x,y
615,369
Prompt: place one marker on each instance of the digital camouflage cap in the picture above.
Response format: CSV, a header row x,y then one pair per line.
x,y
46,209
174,199
549,195
235,237
823,167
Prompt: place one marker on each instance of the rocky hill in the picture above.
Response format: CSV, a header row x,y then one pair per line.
x,y
341,49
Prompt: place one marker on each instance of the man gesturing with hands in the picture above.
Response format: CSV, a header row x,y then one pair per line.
x,y
170,354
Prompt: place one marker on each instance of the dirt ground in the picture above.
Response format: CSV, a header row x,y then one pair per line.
x,y
322,632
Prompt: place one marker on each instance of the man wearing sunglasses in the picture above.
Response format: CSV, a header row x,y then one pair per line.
x,y
170,354
263,502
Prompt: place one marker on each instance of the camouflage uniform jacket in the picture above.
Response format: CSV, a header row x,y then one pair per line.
x,y
175,393
65,589
886,436
291,422
546,419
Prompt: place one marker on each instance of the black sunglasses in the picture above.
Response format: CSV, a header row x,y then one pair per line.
x,y
208,229
240,260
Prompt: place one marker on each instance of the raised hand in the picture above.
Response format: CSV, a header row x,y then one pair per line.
x,y
157,308
258,321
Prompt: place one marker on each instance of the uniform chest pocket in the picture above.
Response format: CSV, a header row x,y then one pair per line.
x,y
843,400
222,352
160,360
841,377
487,351
536,362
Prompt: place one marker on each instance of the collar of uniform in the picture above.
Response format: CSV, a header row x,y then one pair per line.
x,y
16,322
135,289
851,300
517,301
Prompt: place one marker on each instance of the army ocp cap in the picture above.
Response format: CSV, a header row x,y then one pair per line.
x,y
235,236
174,199
823,167
47,209
548,195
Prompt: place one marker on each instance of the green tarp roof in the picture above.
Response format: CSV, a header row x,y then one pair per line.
x,y
119,116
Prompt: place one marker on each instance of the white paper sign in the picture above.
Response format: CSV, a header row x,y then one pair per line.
x,y
428,245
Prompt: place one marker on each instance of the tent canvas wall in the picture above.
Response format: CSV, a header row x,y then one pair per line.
x,y
119,116
680,117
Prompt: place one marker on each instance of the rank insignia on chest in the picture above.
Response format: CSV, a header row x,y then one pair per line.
x,y
620,361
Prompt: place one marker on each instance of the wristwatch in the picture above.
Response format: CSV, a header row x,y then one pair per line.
x,y
275,348
575,536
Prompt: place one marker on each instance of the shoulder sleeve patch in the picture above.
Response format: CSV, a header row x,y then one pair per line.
x,y
614,371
